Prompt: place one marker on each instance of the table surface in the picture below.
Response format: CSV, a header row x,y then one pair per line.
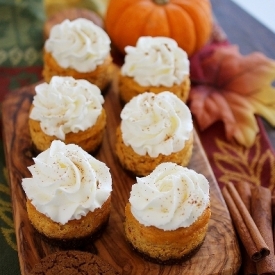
x,y
248,33
263,11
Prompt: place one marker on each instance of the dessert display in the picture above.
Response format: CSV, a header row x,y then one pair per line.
x,y
155,64
112,245
81,49
68,195
73,262
167,216
154,128
70,110
66,200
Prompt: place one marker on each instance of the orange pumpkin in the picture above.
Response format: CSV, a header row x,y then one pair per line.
x,y
189,22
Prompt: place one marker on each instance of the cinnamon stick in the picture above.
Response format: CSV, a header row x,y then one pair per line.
x,y
244,190
262,215
273,205
247,230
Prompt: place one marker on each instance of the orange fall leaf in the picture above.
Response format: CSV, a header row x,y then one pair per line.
x,y
233,88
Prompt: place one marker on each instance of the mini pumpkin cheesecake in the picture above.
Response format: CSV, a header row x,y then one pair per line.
x,y
81,49
68,194
167,216
70,110
70,13
154,128
155,64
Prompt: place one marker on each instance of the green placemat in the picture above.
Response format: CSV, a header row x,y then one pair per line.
x,y
21,42
21,38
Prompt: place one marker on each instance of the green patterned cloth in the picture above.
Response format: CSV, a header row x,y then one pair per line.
x,y
21,43
9,264
21,38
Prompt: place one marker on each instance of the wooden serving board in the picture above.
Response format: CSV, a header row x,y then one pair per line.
x,y
219,253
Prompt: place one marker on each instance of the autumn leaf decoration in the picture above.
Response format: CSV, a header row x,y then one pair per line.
x,y
233,88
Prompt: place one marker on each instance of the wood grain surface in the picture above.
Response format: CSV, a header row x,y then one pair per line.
x,y
219,253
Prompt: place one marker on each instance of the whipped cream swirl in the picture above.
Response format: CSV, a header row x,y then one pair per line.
x,y
170,197
156,123
66,105
78,44
156,61
67,182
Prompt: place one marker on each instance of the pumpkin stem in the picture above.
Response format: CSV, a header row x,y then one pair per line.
x,y
161,2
